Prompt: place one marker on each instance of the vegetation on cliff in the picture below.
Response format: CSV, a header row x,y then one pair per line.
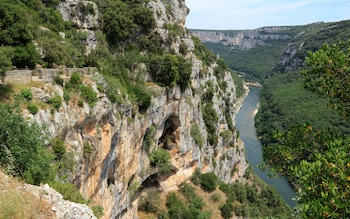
x,y
305,136
128,51
317,161
208,197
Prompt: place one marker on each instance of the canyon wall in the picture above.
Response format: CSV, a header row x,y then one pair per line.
x,y
242,39
119,165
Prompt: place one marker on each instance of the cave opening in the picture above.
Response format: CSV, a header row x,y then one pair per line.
x,y
171,133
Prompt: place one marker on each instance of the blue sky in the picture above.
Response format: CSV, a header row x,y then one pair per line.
x,y
250,14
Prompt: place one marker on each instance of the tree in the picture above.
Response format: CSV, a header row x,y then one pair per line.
x,y
14,24
22,149
208,181
6,54
160,159
327,73
117,22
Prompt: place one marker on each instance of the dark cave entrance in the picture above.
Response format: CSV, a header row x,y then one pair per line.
x,y
171,133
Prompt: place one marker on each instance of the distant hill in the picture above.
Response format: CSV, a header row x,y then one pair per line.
x,y
275,57
268,50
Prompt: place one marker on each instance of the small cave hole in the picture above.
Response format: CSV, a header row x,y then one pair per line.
x,y
171,135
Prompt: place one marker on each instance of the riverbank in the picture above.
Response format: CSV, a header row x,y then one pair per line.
x,y
245,124
246,86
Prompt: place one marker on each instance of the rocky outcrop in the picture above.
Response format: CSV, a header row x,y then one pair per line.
x,y
40,201
119,164
245,39
84,15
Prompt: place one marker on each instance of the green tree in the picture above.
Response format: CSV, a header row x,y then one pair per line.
x,y
6,55
117,22
23,152
318,162
327,73
15,25
208,181
160,159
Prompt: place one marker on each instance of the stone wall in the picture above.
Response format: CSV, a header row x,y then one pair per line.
x,y
18,76
44,74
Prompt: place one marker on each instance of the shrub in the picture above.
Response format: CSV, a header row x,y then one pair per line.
x,y
22,149
80,103
58,147
196,176
215,197
33,109
56,101
226,136
208,181
196,135
210,119
160,159
88,94
58,80
226,210
88,149
148,141
151,202
75,81
27,94
66,96
98,211
170,70
69,192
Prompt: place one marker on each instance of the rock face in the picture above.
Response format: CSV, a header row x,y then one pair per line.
x,y
84,15
245,39
42,201
112,175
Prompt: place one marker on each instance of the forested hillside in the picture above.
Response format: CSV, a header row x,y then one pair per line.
x,y
305,132
112,137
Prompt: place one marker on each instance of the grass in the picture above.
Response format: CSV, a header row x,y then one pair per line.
x,y
16,203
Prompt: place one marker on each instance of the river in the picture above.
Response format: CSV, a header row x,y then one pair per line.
x,y
246,125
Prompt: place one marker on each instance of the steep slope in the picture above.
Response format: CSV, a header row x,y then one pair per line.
x,y
119,163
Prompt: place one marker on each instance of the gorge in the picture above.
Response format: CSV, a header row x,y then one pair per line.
x,y
136,109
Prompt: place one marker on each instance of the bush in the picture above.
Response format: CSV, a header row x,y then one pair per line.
x,y
196,135
88,94
22,149
226,210
75,81
58,147
88,150
56,101
33,109
170,70
27,94
80,103
69,192
160,159
66,96
215,197
148,141
98,211
226,136
58,80
150,203
208,181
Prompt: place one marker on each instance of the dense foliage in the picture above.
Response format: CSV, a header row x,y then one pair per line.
x,y
23,152
327,74
284,104
317,161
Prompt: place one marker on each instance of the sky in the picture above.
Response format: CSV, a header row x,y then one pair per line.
x,y
251,14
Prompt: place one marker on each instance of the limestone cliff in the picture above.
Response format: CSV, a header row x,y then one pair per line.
x,y
119,165
244,39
